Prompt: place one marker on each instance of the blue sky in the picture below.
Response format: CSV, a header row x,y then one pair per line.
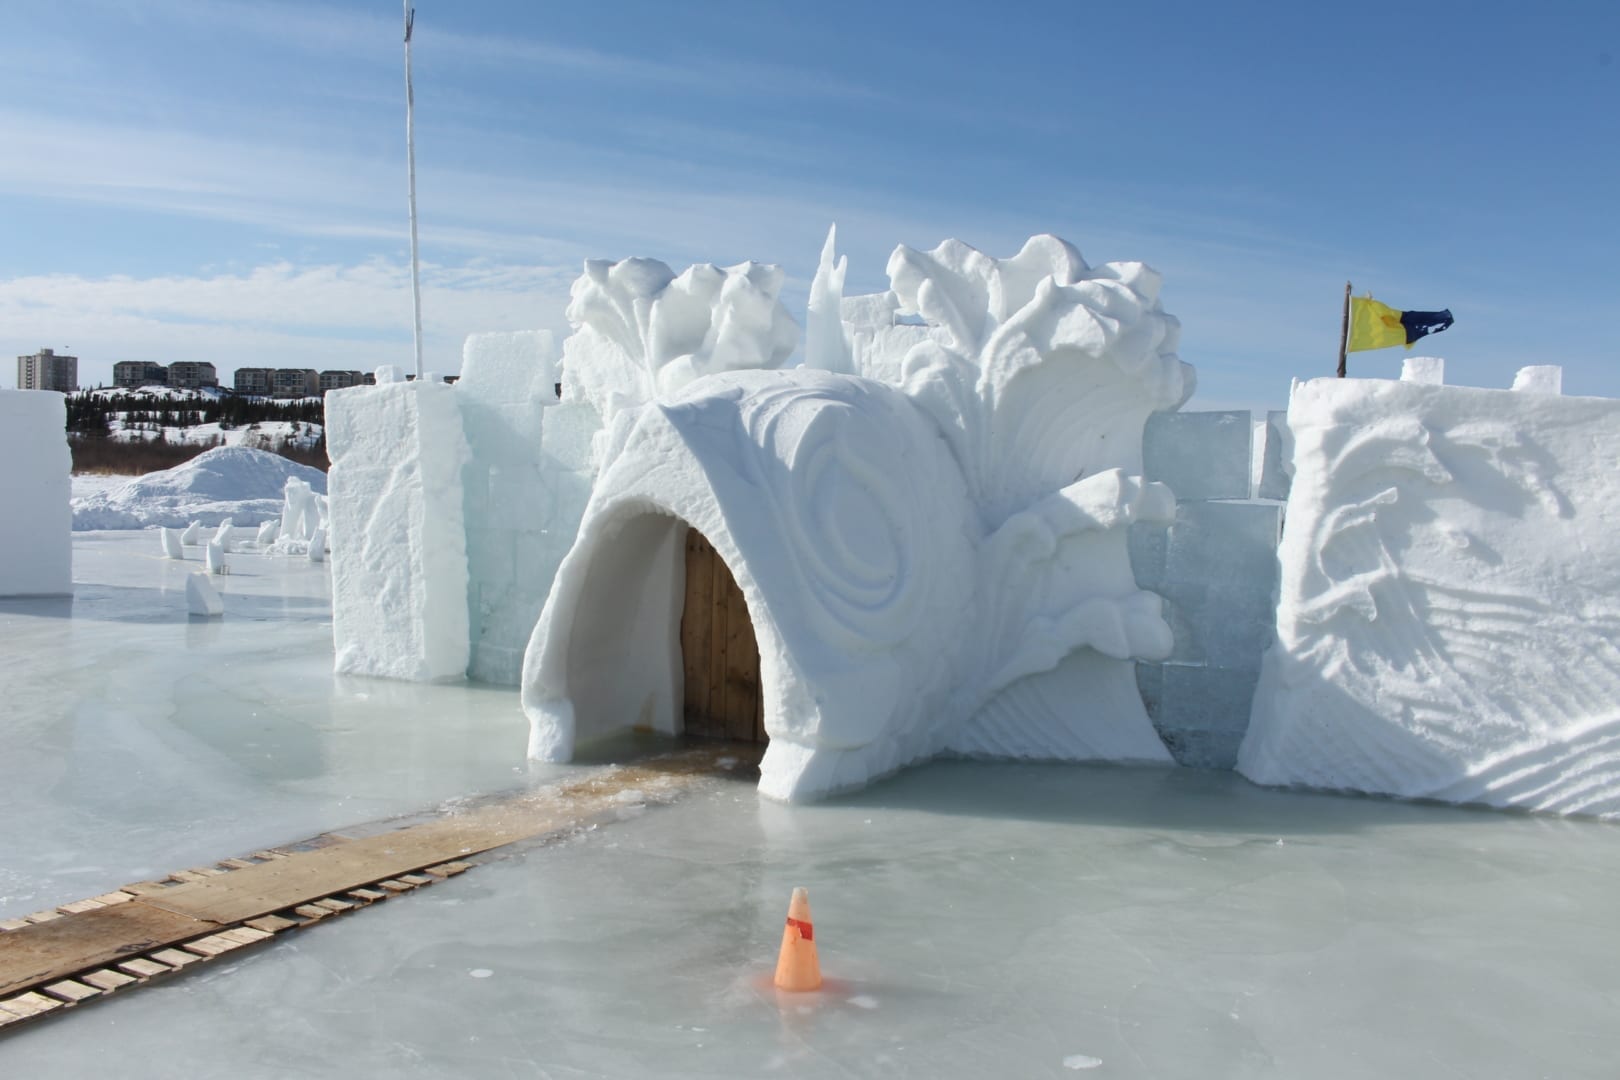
x,y
201,179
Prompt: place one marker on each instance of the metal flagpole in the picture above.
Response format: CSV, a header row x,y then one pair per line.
x,y
410,157
1344,329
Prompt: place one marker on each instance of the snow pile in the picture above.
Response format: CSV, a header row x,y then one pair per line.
x,y
399,566
1449,622
227,483
36,549
933,550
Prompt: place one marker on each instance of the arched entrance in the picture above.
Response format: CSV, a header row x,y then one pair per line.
x,y
719,656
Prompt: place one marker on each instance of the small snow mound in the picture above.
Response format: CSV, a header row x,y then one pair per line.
x,y
234,482
1081,1061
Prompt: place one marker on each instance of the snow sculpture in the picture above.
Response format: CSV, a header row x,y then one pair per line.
x,y
300,515
1449,622
919,545
36,551
643,333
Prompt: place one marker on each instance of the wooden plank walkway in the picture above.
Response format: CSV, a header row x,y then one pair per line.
x,y
77,952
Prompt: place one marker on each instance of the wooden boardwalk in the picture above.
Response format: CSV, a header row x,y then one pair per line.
x,y
83,951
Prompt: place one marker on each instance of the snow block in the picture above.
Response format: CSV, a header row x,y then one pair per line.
x,y
201,596
517,532
1428,370
1201,713
36,529
1276,468
397,532
172,548
1449,619
1539,379
508,368
1199,455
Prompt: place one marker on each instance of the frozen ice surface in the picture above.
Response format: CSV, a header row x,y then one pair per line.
x,y
139,740
972,919
1200,455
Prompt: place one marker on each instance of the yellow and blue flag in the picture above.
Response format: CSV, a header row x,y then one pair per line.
x,y
1378,326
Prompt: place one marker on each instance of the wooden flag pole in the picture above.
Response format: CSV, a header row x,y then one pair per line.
x,y
1344,329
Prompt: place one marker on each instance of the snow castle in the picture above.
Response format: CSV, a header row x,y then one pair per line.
x,y
939,534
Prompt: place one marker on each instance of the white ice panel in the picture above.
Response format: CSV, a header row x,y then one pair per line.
x,y
36,526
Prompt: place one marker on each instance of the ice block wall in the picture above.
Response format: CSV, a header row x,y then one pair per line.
x,y
1449,618
1216,568
36,527
525,486
398,531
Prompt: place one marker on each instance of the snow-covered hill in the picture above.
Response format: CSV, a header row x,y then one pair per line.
x,y
235,482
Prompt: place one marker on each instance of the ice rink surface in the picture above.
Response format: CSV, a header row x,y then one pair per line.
x,y
973,919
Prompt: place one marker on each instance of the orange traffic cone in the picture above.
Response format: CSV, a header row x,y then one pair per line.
x,y
797,967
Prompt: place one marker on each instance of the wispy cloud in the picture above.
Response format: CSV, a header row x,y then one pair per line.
x,y
277,314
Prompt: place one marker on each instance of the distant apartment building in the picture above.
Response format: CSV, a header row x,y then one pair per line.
x,y
337,380
294,383
252,380
192,374
47,371
133,373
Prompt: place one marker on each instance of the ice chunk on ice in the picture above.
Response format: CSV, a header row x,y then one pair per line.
x,y
214,557
1424,370
222,536
1540,379
268,531
36,551
201,596
317,546
191,536
171,543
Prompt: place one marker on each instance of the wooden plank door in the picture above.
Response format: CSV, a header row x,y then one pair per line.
x,y
719,655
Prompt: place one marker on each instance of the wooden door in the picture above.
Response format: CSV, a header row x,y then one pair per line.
x,y
718,652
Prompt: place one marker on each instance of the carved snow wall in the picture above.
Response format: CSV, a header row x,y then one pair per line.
x,y
1449,620
928,521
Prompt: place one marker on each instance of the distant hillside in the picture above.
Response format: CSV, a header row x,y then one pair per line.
x,y
157,427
